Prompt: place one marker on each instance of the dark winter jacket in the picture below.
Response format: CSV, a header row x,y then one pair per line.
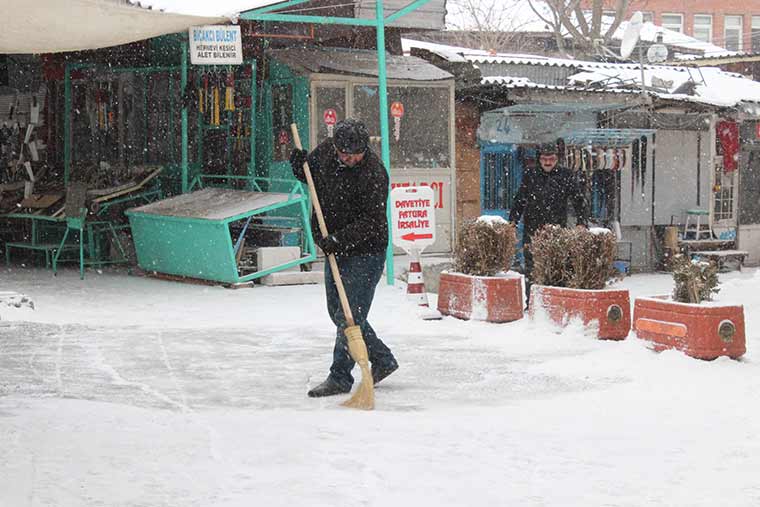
x,y
353,200
542,199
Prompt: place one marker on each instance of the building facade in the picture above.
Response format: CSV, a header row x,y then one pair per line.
x,y
732,24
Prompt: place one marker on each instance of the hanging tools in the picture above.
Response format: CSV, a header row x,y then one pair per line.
x,y
215,109
202,88
229,92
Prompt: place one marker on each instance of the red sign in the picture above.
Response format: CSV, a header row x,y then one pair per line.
x,y
413,236
437,187
757,130
330,117
397,110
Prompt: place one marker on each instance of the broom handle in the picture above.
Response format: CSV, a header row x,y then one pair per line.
x,y
323,230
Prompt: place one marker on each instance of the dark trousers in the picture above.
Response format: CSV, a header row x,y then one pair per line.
x,y
360,275
528,256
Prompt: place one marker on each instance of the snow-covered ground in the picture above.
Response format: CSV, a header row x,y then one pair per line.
x,y
127,391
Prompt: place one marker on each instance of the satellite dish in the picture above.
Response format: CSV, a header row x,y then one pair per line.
x,y
631,34
657,53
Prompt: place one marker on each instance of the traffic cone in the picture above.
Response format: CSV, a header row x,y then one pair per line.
x,y
415,291
415,285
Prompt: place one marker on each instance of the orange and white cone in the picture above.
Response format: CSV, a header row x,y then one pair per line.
x,y
415,291
415,285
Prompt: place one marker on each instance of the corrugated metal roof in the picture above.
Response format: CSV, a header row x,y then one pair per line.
x,y
358,62
516,83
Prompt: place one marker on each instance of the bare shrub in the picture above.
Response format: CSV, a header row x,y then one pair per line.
x,y
695,281
551,261
575,258
485,247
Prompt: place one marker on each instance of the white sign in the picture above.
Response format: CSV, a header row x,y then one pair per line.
x,y
216,45
413,215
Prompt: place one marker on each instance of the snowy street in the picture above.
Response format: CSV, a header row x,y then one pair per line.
x,y
128,391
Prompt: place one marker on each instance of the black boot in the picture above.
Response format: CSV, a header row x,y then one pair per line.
x,y
381,371
329,387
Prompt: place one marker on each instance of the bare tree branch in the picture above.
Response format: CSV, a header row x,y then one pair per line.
x,y
620,8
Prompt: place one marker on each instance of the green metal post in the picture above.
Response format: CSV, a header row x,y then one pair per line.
x,y
252,139
66,125
183,84
323,20
385,147
171,118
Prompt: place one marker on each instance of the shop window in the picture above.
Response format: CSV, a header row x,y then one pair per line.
x,y
703,27
282,117
331,108
673,22
418,120
756,34
733,33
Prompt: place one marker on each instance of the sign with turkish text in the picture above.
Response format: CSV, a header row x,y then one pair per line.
x,y
216,45
413,216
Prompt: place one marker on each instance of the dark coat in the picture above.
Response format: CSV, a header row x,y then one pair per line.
x,y
542,199
353,200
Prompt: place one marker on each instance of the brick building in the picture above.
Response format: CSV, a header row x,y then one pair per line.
x,y
733,24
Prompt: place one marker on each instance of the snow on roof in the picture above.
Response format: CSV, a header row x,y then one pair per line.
x,y
225,8
649,32
711,85
720,88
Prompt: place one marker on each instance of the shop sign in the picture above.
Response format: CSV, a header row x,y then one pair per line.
x,y
216,45
330,117
436,187
757,130
413,216
397,112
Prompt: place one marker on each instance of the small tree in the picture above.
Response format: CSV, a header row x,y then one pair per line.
x,y
695,281
576,258
485,247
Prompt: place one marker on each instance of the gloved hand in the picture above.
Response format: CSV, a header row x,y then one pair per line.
x,y
329,244
297,159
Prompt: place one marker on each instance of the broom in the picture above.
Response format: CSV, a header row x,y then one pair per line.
x,y
364,397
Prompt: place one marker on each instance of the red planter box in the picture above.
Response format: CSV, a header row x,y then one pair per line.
x,y
703,331
611,308
489,298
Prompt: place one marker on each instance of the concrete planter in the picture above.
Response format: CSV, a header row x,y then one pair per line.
x,y
704,331
611,308
489,298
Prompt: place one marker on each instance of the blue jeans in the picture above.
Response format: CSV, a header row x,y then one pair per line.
x,y
360,275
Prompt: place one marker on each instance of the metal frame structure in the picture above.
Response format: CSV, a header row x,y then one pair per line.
x,y
266,14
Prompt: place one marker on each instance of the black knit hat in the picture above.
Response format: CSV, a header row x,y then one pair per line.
x,y
351,136
548,149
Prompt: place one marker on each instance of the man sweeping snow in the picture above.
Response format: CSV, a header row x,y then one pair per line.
x,y
542,199
352,185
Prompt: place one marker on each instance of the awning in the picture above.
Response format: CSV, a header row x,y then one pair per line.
x,y
358,62
539,123
53,26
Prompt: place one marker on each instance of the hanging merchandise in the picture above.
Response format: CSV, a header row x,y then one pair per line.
x,y
229,92
643,160
216,104
634,166
728,134
201,96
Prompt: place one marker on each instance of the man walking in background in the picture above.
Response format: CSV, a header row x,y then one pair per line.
x,y
543,198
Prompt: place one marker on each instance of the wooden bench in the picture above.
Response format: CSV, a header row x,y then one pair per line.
x,y
721,256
